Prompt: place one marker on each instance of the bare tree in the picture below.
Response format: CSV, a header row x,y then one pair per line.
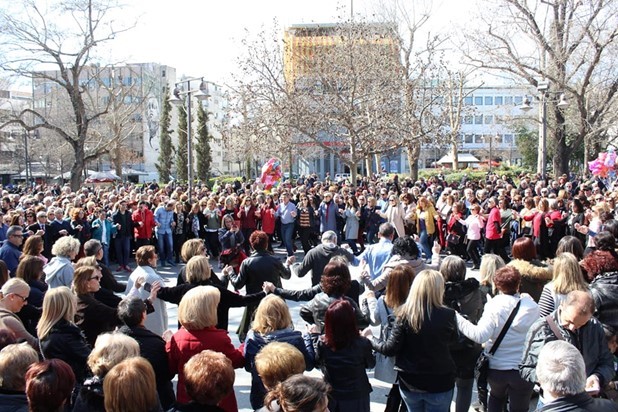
x,y
455,90
570,44
55,48
423,81
341,96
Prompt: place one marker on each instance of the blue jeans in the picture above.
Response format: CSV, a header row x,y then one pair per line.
x,y
287,232
166,246
426,240
123,249
105,259
425,401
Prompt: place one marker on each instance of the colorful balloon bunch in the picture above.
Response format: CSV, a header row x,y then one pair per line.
x,y
271,174
604,164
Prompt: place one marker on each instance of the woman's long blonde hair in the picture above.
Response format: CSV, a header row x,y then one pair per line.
x,y
425,294
568,274
59,303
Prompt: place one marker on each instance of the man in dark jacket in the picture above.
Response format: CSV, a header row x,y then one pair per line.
x,y
132,311
318,257
574,322
258,268
562,375
9,252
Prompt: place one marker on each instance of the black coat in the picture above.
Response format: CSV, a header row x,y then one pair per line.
x,y
604,289
109,285
90,397
467,299
152,347
94,317
65,341
228,299
47,241
423,359
581,402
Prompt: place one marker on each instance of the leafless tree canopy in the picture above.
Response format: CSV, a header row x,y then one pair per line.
x,y
571,44
54,44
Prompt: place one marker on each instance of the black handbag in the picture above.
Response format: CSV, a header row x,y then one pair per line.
x,y
453,238
481,369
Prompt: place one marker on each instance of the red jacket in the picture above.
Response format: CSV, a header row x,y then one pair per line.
x,y
268,220
143,231
247,219
186,343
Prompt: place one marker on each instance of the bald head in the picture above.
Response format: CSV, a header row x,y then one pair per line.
x,y
581,301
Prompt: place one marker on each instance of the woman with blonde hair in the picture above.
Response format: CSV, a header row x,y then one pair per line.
x,y
109,350
197,314
272,323
490,263
420,341
567,277
426,217
59,337
130,387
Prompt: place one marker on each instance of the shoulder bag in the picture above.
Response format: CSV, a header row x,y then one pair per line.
x,y
481,368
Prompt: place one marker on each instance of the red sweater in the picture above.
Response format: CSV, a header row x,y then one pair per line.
x,y
186,343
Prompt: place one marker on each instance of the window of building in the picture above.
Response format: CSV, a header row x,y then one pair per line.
x,y
508,100
498,138
508,138
468,119
518,100
478,119
489,119
469,138
498,100
478,138
489,100
468,101
478,100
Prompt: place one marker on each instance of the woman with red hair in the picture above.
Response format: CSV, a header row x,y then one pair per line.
x,y
343,355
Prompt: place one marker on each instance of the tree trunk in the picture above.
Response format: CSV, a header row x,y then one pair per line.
x,y
368,168
413,152
454,152
77,169
561,158
562,154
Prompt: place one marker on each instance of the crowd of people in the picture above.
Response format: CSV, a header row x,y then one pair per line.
x,y
542,312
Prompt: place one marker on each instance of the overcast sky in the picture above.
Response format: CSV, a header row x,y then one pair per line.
x,y
203,37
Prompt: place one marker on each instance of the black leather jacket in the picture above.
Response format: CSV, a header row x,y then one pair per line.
x,y
604,289
315,310
425,354
258,268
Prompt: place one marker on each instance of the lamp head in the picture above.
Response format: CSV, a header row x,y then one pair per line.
x,y
175,99
563,103
526,106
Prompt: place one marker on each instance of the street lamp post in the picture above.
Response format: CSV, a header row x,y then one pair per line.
x,y
543,96
183,89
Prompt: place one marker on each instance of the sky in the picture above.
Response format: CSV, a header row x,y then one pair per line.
x,y
202,38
